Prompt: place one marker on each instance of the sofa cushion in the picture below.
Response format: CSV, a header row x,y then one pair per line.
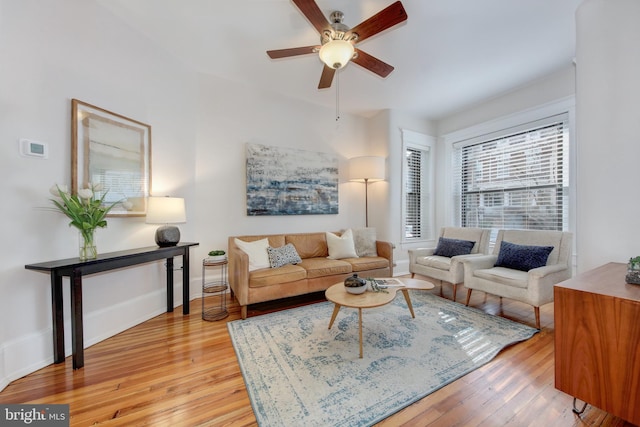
x,y
341,246
364,240
367,263
504,276
257,252
309,245
453,247
283,255
319,267
522,257
435,261
274,276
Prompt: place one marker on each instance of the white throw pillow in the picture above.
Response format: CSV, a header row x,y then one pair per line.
x,y
341,247
257,251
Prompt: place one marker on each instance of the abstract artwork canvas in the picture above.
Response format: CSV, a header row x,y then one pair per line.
x,y
287,181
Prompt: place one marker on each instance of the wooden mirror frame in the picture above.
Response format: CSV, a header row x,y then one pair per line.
x,y
112,150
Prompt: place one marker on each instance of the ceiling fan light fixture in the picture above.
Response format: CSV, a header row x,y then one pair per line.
x,y
337,53
337,41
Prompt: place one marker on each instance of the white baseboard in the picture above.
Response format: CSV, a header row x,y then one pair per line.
x,y
401,268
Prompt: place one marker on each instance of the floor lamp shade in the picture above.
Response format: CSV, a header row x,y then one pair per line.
x,y
366,169
166,210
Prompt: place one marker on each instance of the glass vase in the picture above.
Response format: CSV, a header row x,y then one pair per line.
x,y
88,249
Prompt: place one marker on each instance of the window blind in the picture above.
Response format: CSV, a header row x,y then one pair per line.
x,y
417,187
515,181
413,192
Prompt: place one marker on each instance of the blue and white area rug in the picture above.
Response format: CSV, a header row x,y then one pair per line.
x,y
299,372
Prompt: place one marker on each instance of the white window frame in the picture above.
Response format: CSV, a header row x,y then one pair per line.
x,y
505,125
426,143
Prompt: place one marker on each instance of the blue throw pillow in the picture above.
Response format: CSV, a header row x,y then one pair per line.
x,y
521,257
452,247
283,255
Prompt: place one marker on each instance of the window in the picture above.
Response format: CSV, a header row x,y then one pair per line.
x,y
518,180
415,163
417,187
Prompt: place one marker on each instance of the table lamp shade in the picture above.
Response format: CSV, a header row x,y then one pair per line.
x,y
366,168
166,210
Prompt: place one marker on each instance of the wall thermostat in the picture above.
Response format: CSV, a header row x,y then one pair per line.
x,y
30,148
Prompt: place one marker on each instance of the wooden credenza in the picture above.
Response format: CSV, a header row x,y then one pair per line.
x,y
597,340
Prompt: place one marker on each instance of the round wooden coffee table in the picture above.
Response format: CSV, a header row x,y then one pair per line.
x,y
341,298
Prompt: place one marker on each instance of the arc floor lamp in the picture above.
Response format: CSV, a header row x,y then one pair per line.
x,y
366,169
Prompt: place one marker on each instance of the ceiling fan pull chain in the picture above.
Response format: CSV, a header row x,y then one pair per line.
x,y
337,96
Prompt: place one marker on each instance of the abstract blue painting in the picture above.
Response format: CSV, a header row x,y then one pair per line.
x,y
287,181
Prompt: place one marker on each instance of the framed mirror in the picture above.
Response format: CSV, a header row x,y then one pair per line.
x,y
112,150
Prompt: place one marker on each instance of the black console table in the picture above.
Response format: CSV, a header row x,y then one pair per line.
x,y
75,269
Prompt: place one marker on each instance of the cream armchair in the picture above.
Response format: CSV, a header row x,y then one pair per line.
x,y
514,279
448,269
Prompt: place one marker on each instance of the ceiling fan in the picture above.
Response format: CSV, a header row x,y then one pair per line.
x,y
337,41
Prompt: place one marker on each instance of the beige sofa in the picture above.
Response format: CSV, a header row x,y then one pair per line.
x,y
315,273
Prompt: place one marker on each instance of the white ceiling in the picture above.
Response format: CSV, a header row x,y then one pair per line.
x,y
448,55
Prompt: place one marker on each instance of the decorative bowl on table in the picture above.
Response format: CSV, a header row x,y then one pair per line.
x,y
355,285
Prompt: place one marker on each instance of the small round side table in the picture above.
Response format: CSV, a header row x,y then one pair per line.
x,y
214,292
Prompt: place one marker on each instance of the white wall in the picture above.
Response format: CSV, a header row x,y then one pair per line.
x,y
385,197
557,85
608,113
230,115
52,52
200,124
380,216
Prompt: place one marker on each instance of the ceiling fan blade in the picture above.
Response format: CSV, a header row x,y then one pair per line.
x,y
312,12
327,77
294,51
372,63
381,21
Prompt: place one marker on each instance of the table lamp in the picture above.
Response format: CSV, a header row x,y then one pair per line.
x,y
166,210
366,169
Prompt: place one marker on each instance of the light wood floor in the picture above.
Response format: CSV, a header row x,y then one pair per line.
x,y
176,370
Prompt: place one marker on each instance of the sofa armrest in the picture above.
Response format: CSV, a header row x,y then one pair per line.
x,y
239,273
543,279
385,250
471,264
457,261
541,272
